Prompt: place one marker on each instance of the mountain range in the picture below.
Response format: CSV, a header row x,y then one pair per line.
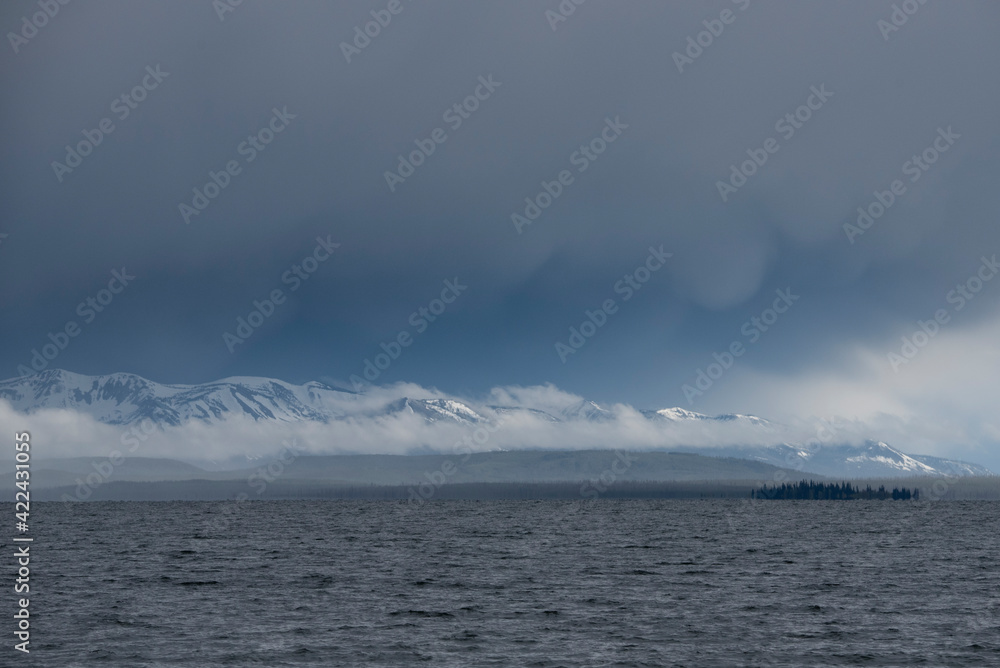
x,y
126,399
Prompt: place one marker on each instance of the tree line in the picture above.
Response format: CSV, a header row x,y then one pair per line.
x,y
832,491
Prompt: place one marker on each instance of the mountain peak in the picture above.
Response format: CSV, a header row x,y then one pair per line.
x,y
587,410
125,399
680,414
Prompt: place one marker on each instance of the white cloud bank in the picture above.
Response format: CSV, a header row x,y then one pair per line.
x,y
365,428
943,401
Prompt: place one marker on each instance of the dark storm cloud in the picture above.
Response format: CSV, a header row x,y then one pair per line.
x,y
656,183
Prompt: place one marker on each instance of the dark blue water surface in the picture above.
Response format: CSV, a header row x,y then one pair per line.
x,y
520,583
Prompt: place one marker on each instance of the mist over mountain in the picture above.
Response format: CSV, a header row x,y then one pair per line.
x,y
234,420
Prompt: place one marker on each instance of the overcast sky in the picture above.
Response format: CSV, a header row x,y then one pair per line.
x,y
662,120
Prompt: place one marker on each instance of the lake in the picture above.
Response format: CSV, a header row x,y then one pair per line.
x,y
514,583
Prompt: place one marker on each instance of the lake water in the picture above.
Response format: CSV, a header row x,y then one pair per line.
x,y
606,583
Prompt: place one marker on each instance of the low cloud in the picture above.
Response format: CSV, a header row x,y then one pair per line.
x,y
367,424
939,400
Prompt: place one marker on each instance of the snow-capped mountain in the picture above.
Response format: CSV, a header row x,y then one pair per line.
x,y
682,415
953,466
122,398
503,412
873,459
433,410
126,399
587,410
674,414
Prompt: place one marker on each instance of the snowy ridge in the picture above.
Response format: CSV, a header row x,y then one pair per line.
x,y
884,454
431,410
122,399
872,459
681,414
126,399
587,410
